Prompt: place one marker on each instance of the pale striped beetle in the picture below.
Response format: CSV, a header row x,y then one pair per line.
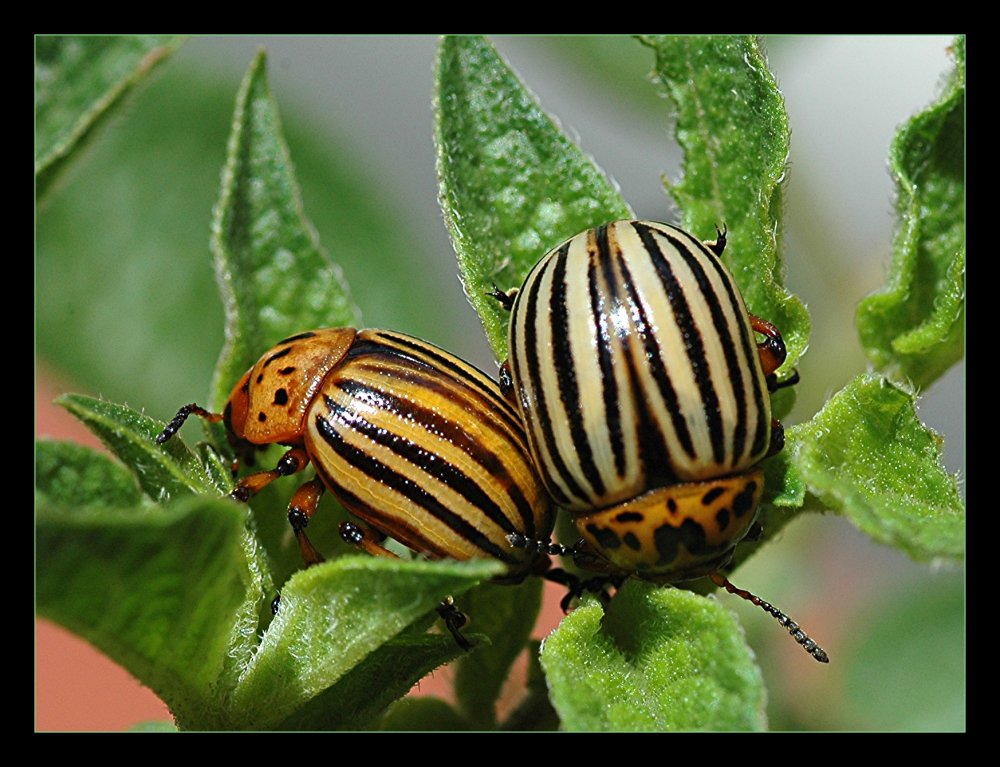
x,y
412,440
645,395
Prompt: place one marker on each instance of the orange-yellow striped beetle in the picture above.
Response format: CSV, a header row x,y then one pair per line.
x,y
416,443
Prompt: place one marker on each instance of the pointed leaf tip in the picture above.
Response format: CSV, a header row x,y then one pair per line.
x,y
512,183
275,277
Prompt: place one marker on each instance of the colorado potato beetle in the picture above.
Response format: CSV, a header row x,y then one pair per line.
x,y
416,443
645,395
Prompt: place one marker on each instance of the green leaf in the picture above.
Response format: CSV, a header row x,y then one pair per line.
x,y
512,184
334,615
662,659
275,278
506,614
868,456
77,82
420,714
164,472
71,475
732,125
914,327
219,470
783,486
361,695
165,592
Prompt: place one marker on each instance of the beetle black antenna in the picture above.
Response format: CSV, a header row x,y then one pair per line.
x,y
521,541
797,633
182,415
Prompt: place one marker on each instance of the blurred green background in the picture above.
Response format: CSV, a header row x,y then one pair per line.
x,y
127,307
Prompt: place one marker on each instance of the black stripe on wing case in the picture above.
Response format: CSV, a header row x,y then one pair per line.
x,y
565,366
734,372
534,374
692,337
382,473
436,466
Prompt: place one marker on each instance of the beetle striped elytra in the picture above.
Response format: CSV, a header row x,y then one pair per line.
x,y
416,443
645,395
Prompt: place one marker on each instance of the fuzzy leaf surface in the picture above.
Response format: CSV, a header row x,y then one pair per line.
x,y
660,660
512,184
332,617
868,456
275,277
914,328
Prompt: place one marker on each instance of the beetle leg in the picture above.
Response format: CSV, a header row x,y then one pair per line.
x,y
755,533
777,438
368,539
506,382
292,462
576,586
506,299
365,538
300,510
719,244
571,581
584,558
454,619
773,384
772,353
772,349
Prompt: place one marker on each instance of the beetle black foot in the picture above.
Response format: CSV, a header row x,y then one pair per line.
x,y
777,438
755,533
506,299
720,240
773,384
240,494
454,619
576,586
